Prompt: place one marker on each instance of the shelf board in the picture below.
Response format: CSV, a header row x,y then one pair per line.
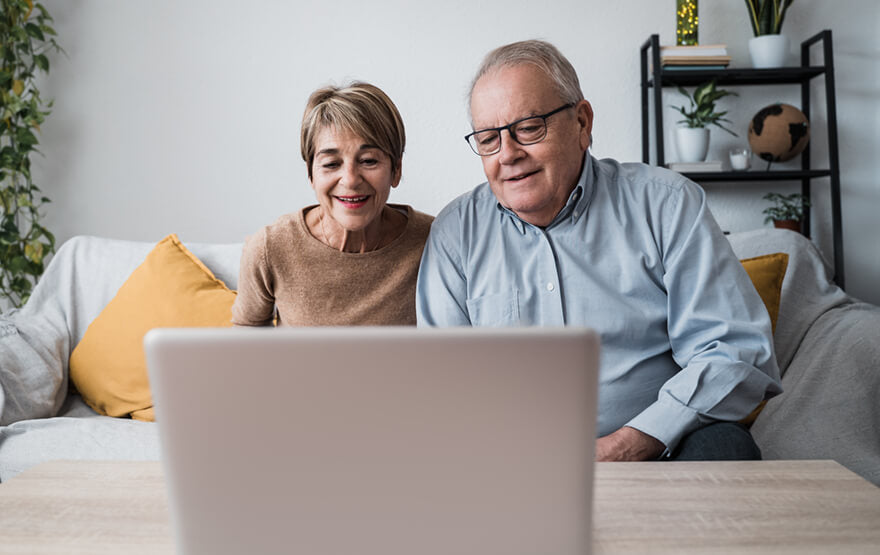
x,y
773,175
738,76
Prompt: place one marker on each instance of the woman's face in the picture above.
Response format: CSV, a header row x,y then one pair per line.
x,y
351,179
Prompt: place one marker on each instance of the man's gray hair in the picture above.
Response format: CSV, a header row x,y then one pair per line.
x,y
541,54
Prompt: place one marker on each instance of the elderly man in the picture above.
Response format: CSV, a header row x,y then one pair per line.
x,y
559,238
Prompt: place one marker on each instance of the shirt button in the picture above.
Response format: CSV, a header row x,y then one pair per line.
x,y
550,287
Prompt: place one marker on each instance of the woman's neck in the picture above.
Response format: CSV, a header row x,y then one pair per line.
x,y
380,232
345,240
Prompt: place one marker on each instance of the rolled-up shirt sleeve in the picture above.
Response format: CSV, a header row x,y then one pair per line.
x,y
719,330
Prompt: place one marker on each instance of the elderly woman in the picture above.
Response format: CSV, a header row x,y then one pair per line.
x,y
352,259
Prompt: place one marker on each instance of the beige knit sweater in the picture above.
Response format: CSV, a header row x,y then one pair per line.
x,y
312,284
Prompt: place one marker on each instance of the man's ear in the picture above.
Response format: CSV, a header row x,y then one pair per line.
x,y
584,113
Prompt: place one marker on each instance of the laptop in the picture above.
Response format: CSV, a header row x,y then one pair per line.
x,y
391,441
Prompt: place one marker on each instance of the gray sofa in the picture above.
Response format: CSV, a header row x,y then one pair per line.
x,y
828,345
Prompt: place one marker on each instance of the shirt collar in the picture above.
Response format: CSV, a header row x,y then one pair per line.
x,y
575,207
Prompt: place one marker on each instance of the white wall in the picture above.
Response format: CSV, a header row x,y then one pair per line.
x,y
183,117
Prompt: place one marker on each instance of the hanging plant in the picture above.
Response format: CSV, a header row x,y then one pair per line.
x,y
25,38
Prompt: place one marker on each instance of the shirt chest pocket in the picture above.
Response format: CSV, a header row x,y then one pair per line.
x,y
495,309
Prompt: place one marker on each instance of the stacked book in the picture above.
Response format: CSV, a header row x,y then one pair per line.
x,y
695,167
709,56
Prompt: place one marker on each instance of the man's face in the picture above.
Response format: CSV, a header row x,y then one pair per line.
x,y
535,180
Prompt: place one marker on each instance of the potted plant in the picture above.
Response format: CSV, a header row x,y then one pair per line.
x,y
768,48
692,138
25,38
787,211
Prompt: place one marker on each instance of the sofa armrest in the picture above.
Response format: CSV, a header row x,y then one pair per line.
x,y
829,409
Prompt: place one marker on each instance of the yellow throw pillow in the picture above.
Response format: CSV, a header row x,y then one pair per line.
x,y
171,288
767,273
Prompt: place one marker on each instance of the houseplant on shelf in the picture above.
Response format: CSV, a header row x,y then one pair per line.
x,y
25,37
692,139
768,48
787,211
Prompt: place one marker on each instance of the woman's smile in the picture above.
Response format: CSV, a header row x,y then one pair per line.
x,y
353,202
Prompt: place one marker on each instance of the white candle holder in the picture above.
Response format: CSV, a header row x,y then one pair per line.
x,y
740,159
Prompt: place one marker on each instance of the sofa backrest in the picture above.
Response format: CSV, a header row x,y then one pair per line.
x,y
86,272
807,289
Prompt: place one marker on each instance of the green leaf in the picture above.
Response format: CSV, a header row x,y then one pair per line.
x,y
726,129
34,31
21,285
48,235
42,62
781,16
44,13
24,136
702,91
753,16
765,17
18,264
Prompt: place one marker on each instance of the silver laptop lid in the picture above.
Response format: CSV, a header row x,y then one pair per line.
x,y
393,441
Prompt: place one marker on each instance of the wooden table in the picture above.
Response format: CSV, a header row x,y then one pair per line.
x,y
699,507
734,507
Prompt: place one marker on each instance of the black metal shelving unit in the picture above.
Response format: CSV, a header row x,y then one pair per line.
x,y
654,78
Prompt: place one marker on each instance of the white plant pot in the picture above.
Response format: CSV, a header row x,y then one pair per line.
x,y
768,51
692,143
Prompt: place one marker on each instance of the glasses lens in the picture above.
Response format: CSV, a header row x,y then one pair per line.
x,y
485,142
530,131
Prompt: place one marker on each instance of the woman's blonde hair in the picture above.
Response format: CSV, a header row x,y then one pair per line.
x,y
359,108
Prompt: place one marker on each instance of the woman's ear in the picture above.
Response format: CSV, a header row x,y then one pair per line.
x,y
398,173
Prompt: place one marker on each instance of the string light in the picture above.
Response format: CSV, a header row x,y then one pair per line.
x,y
687,22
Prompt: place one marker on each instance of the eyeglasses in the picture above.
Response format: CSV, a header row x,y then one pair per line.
x,y
526,131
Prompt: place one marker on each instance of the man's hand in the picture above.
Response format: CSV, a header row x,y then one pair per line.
x,y
628,444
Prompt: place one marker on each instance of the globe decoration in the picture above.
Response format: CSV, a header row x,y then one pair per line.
x,y
779,132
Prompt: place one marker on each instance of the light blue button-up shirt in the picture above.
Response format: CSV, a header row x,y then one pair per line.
x,y
635,254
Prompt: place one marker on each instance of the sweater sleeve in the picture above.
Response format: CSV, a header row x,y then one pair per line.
x,y
255,302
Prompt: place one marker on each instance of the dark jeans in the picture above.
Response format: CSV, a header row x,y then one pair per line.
x,y
721,441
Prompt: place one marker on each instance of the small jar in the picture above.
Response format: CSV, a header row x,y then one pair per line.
x,y
740,159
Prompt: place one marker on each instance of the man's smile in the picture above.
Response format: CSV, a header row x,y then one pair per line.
x,y
520,176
